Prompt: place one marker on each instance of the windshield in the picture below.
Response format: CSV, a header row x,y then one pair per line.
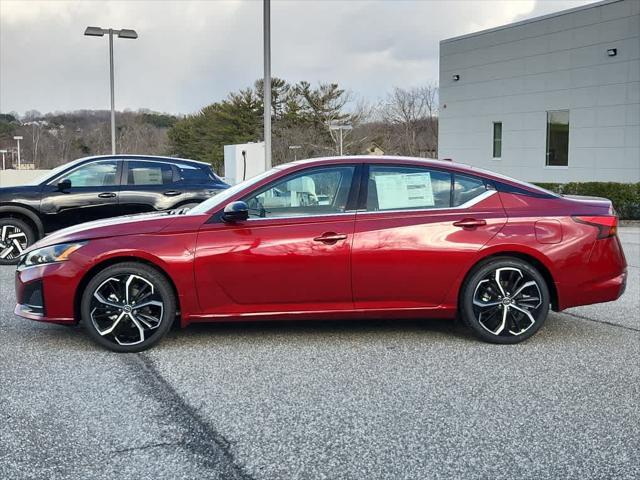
x,y
225,195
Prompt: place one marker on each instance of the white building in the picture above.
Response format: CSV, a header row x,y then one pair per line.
x,y
551,99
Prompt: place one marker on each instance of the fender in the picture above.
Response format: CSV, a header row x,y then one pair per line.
x,y
181,278
490,250
27,212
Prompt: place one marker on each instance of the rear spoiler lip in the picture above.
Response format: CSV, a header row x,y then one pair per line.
x,y
586,198
599,203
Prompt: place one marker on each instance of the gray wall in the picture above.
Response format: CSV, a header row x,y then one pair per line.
x,y
11,178
515,74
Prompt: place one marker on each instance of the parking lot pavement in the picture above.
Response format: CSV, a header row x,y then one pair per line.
x,y
351,400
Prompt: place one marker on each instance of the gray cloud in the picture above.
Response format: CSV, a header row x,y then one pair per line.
x,y
191,53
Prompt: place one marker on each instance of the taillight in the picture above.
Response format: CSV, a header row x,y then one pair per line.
x,y
607,225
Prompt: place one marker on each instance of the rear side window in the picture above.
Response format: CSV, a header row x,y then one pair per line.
x,y
406,188
466,188
194,174
149,173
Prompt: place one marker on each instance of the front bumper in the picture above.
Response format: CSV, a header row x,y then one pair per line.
x,y
46,293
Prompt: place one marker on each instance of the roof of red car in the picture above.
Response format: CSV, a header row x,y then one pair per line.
x,y
430,162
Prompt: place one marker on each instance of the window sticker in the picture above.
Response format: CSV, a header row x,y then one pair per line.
x,y
410,190
147,176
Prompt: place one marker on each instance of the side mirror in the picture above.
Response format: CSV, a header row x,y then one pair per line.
x,y
235,212
64,185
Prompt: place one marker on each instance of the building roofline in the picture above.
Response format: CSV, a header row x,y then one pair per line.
x,y
530,20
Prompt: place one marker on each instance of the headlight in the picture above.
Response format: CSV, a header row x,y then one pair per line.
x,y
52,254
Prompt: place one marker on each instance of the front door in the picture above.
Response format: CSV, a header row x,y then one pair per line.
x,y
92,195
420,229
292,255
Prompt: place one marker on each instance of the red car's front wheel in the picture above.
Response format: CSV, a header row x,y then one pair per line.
x,y
128,307
505,300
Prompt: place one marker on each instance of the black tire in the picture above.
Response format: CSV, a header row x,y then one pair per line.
x,y
487,317
121,286
11,246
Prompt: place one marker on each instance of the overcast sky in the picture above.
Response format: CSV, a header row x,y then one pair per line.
x,y
192,53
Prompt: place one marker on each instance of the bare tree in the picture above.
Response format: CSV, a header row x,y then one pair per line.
x,y
412,115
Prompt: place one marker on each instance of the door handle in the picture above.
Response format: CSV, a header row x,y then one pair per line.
x,y
330,237
107,195
470,223
172,193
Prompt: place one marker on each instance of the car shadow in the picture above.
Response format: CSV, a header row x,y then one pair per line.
x,y
323,328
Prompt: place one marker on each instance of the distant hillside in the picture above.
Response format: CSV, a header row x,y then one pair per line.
x,y
55,138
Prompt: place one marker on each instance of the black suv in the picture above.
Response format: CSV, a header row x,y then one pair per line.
x,y
99,187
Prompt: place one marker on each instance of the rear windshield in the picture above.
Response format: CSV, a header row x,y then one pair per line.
x,y
525,185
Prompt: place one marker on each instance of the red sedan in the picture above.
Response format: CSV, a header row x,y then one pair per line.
x,y
354,237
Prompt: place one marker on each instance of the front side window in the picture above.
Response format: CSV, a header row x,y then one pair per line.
x,y
466,188
321,191
497,139
96,174
149,173
406,188
558,138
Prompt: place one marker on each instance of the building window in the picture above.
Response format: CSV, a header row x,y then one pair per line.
x,y
497,139
558,138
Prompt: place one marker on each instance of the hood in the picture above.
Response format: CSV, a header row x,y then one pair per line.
x,y
111,227
12,191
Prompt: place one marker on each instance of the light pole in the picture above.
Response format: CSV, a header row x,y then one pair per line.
x,y
4,165
340,128
17,139
123,33
295,149
266,82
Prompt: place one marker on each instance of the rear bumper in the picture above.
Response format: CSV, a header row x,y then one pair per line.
x,y
598,291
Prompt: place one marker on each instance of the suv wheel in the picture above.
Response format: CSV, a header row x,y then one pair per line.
x,y
505,300
15,237
128,307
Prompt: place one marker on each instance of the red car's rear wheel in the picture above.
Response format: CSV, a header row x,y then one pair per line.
x,y
128,307
505,300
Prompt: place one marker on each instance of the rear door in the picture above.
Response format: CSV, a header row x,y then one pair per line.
x,y
148,186
420,228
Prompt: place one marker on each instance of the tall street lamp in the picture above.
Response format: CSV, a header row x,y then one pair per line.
x,y
266,81
17,139
123,33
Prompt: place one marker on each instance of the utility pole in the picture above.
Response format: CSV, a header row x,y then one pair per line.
x,y
113,97
340,128
17,139
266,17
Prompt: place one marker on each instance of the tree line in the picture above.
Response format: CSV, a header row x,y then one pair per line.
x,y
405,122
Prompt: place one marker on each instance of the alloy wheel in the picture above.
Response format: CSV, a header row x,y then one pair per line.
x,y
507,301
126,309
13,241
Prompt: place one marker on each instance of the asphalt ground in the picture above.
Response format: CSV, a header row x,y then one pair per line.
x,y
327,400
